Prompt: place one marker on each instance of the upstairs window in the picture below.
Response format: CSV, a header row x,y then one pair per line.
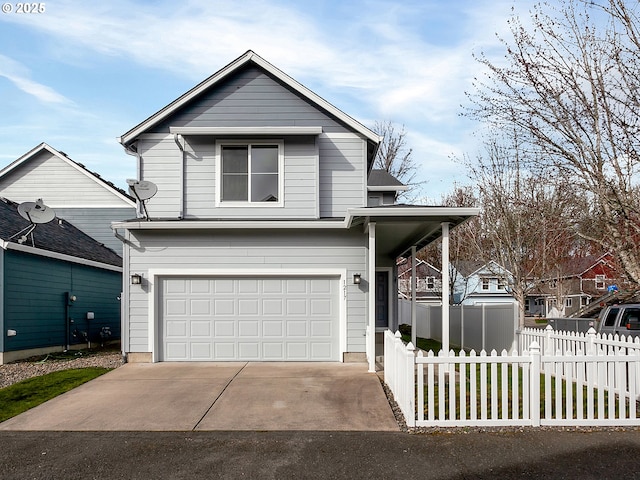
x,y
600,284
485,284
250,173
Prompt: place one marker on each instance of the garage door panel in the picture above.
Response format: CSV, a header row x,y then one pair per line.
x,y
176,307
201,328
225,328
248,286
297,351
200,307
176,328
224,307
272,328
320,306
273,351
200,351
177,351
224,351
297,307
248,306
251,319
248,328
272,306
272,286
249,350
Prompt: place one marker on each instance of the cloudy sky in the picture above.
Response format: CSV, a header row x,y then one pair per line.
x,y
82,73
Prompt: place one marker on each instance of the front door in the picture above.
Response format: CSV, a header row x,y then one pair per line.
x,y
382,299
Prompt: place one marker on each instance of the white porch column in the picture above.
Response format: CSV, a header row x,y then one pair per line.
x,y
445,287
414,333
371,329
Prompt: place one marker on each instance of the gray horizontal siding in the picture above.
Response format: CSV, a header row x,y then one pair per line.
x,y
96,222
244,250
57,183
249,98
161,162
342,174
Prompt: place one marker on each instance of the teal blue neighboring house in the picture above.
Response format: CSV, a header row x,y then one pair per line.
x,y
59,287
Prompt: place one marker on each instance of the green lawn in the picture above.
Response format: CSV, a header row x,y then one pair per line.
x,y
22,396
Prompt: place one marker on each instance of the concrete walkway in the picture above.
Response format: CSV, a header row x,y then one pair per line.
x,y
219,396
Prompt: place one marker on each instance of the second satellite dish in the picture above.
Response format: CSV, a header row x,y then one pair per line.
x,y
36,212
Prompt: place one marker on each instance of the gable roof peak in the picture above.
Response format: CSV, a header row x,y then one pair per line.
x,y
249,56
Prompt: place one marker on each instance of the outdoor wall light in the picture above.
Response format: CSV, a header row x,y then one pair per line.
x,y
357,278
136,279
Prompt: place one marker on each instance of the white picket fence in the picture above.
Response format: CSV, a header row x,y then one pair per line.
x,y
570,387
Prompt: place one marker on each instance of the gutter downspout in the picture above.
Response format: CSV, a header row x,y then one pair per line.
x,y
179,139
133,151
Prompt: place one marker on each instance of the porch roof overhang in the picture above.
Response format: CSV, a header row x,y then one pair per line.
x,y
399,227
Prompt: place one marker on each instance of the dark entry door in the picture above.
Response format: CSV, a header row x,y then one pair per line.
x,y
382,299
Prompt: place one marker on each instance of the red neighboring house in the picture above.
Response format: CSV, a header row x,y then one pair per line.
x,y
428,281
581,282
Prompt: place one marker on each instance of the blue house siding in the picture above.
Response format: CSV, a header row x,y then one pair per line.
x,y
35,290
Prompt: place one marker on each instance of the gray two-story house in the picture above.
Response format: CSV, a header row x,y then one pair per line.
x,y
259,244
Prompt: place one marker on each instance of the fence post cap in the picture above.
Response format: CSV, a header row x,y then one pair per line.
x,y
410,347
534,346
398,334
549,327
591,331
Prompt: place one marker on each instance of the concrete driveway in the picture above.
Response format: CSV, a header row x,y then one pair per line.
x,y
219,396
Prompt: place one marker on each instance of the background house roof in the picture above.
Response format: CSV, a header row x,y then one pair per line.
x,y
33,153
57,236
382,178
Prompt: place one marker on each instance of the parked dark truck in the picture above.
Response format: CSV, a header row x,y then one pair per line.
x,y
621,320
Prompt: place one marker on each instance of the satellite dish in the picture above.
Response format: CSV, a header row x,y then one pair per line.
x,y
36,212
142,190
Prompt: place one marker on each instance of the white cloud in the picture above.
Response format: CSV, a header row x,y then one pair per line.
x,y
19,75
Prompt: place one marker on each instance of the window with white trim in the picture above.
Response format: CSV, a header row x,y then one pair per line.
x,y
501,284
250,172
600,285
568,302
485,283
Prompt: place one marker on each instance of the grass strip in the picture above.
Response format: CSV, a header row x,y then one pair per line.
x,y
29,393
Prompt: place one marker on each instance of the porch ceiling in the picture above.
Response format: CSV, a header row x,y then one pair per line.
x,y
400,227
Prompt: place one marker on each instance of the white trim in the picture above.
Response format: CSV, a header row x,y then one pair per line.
x,y
249,142
86,207
229,69
268,130
42,147
227,224
371,327
387,188
154,274
57,256
340,135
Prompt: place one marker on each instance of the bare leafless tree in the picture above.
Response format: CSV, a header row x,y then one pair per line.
x,y
569,89
526,221
395,157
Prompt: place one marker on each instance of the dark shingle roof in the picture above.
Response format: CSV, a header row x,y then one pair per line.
x,y
382,178
56,236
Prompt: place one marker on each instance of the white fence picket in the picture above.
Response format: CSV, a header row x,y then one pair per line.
x,y
607,370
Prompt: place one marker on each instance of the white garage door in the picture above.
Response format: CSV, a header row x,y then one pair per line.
x,y
256,319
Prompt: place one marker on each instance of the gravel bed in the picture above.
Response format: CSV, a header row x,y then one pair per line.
x,y
11,373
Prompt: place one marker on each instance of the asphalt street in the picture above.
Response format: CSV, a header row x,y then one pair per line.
x,y
514,454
